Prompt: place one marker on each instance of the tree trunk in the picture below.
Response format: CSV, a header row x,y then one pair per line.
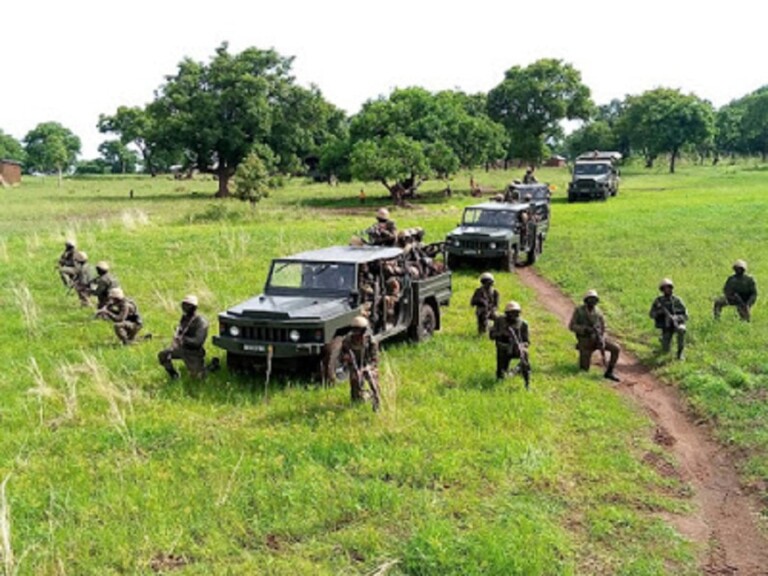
x,y
223,191
672,158
61,177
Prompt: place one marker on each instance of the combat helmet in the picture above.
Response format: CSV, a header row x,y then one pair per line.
x,y
81,256
190,299
102,265
487,277
359,322
382,214
666,282
117,293
513,306
591,294
740,264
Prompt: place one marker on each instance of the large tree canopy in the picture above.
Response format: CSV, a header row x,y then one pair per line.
x,y
530,103
217,112
10,148
414,135
663,121
50,147
119,158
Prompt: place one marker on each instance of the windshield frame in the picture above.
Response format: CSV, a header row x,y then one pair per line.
x,y
507,219
311,285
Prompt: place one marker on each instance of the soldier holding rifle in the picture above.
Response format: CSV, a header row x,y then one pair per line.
x,y
188,342
588,324
740,290
125,315
360,353
486,302
669,314
510,332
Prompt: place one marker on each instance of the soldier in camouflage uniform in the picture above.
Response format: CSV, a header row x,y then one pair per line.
x,y
103,283
588,324
188,341
360,354
486,302
529,177
384,231
67,266
740,290
81,283
124,313
669,315
510,332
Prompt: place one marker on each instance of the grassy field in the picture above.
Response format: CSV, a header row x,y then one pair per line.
x,y
111,468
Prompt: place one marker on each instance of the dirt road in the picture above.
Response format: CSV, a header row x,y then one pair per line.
x,y
723,522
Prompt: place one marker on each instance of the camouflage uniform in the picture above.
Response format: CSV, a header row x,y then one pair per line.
x,y
67,265
125,314
101,286
669,315
589,327
486,302
360,353
512,338
188,345
740,290
81,283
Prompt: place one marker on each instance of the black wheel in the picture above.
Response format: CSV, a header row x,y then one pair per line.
x,y
426,326
334,368
540,244
571,198
237,363
615,191
451,261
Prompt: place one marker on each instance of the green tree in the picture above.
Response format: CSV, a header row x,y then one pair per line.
x,y
10,148
596,135
217,112
754,122
137,126
413,135
531,102
664,121
118,157
255,175
50,147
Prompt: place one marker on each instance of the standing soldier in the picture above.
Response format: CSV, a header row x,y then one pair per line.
x,y
669,314
83,278
486,302
529,178
103,283
384,231
588,324
512,339
740,290
124,313
188,341
360,354
67,267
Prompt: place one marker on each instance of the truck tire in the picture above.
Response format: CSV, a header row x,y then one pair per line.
x,y
237,363
451,261
426,327
334,369
571,198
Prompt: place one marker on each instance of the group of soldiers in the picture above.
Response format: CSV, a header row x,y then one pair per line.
x,y
668,312
114,306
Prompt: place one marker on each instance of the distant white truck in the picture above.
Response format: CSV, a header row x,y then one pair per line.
x,y
595,176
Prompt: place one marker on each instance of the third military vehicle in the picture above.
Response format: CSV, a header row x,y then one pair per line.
x,y
310,299
595,176
505,233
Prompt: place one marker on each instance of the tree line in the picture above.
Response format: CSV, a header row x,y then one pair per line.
x,y
242,116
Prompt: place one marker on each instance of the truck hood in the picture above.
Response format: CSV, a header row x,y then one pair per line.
x,y
593,177
290,308
481,232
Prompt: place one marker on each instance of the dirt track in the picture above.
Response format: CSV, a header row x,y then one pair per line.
x,y
723,522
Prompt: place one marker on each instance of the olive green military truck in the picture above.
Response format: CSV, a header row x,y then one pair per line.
x,y
310,299
595,176
505,234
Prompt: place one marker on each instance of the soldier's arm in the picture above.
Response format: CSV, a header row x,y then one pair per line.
x,y
576,326
655,309
525,334
753,296
196,334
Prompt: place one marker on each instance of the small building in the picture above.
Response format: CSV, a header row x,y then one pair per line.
x,y
10,172
556,161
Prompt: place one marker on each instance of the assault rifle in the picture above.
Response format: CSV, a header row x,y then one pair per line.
x,y
600,336
524,366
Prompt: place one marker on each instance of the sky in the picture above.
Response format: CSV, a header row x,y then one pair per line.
x,y
69,61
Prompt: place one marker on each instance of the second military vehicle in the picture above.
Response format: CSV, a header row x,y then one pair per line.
x,y
595,176
506,234
310,299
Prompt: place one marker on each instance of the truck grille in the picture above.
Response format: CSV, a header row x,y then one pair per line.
x,y
586,184
264,334
474,244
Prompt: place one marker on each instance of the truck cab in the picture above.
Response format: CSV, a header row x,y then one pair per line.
x,y
595,176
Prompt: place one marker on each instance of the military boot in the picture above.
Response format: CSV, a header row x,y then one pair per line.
x,y
173,373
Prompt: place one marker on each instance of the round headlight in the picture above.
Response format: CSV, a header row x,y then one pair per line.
x,y
294,335
456,243
492,245
234,331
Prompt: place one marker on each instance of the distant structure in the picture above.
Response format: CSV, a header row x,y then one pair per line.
x,y
10,172
555,161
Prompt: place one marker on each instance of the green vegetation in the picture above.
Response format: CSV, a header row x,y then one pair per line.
x,y
111,468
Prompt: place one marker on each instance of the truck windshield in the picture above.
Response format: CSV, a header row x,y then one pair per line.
x,y
590,169
320,276
490,218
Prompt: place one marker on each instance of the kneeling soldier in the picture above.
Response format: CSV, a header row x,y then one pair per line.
x,y
588,324
486,302
740,290
360,354
669,314
124,313
512,339
188,341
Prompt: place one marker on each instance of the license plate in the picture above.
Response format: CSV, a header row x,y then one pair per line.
x,y
470,251
254,348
